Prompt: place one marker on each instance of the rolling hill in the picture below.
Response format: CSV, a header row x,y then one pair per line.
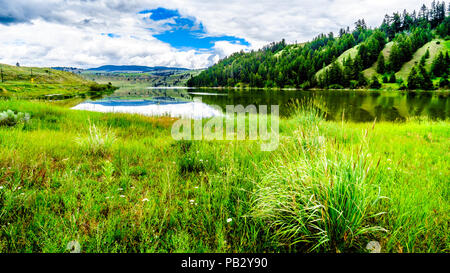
x,y
34,82
133,68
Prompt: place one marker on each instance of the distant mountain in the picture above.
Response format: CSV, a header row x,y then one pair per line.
x,y
134,68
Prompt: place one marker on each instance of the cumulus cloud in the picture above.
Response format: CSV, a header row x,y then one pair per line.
x,y
75,32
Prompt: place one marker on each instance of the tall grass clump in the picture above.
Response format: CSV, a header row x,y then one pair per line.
x,y
98,140
9,118
317,196
307,112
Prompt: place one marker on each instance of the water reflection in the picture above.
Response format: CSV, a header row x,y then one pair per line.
x,y
358,106
172,108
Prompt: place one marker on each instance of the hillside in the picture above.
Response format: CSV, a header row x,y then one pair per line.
x,y
134,68
369,72
348,60
39,75
352,52
435,46
159,78
34,82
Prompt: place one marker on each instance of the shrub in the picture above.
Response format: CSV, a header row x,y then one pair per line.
x,y
335,86
9,118
443,82
375,83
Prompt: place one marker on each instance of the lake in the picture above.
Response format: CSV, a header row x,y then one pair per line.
x,y
357,106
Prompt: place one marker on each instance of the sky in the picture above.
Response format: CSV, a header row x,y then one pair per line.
x,y
176,33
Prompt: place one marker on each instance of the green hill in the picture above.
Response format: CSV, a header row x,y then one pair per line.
x,y
435,46
319,63
39,75
34,82
369,72
351,52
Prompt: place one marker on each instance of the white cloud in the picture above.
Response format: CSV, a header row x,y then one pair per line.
x,y
68,33
225,48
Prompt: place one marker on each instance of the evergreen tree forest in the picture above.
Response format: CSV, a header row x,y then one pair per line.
x,y
282,65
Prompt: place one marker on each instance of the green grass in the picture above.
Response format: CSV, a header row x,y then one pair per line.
x,y
45,83
120,183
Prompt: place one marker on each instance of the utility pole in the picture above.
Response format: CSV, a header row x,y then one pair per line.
x,y
1,69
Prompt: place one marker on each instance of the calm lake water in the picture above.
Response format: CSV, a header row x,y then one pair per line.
x,y
359,106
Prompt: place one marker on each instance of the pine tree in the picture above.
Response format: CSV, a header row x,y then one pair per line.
x,y
381,68
426,82
413,79
392,79
362,81
439,65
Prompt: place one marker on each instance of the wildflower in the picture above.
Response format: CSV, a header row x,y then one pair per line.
x,y
120,189
1,187
122,196
145,200
229,220
196,187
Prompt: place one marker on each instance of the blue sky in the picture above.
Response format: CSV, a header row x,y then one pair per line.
x,y
186,33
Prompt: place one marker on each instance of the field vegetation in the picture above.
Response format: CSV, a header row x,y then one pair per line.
x,y
120,183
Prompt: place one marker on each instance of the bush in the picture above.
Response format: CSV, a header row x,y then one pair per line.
x,y
95,87
443,82
335,86
9,118
375,83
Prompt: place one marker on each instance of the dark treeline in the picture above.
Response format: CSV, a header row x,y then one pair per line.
x,y
281,65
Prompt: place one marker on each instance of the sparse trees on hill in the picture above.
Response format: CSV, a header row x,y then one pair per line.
x,y
283,65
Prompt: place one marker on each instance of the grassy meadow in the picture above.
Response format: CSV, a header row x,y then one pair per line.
x,y
46,83
120,183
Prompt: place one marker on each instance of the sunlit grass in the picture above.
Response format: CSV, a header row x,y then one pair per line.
x,y
145,192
